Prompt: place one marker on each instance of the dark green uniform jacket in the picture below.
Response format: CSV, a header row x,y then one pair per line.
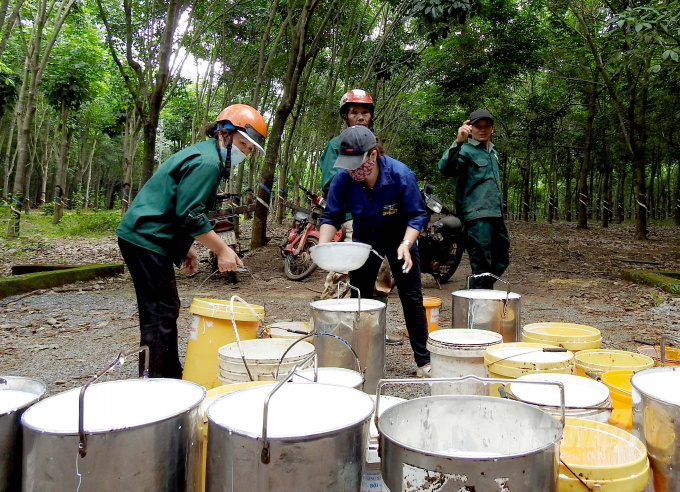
x,y
171,208
476,175
327,161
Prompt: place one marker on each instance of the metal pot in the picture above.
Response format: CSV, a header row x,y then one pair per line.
x,y
485,309
307,437
465,443
361,322
656,422
138,434
11,410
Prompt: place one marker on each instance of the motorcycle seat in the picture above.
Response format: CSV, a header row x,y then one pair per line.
x,y
449,225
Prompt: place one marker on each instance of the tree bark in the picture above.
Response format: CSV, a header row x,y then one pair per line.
x,y
61,171
585,165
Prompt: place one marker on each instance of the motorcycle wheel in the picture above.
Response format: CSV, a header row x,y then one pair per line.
x,y
452,261
302,265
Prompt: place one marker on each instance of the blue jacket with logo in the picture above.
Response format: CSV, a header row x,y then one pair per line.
x,y
381,214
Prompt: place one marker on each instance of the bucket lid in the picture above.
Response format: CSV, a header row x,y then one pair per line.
x,y
347,305
601,360
487,294
114,405
216,308
295,410
573,346
265,351
337,376
660,383
579,392
562,332
462,339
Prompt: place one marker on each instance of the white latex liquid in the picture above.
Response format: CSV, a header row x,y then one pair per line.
x,y
348,305
13,399
470,454
578,391
329,375
489,295
662,385
114,405
526,354
295,410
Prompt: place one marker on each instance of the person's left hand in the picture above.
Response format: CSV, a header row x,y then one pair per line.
x,y
190,264
404,253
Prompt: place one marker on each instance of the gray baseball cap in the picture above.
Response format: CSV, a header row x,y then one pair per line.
x,y
355,141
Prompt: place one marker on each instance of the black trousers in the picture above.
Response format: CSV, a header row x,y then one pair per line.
x,y
153,276
410,294
488,247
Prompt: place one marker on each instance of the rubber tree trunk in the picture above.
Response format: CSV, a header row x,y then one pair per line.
x,y
585,164
677,199
62,165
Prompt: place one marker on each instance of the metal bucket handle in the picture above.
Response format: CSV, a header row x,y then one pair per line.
x,y
664,340
487,274
264,456
310,335
120,359
357,316
384,382
233,324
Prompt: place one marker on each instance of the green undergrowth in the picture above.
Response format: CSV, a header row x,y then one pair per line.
x,y
37,224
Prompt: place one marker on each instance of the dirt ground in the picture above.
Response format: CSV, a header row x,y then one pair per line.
x,y
65,335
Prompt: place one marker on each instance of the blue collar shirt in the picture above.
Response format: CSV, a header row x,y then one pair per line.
x,y
381,214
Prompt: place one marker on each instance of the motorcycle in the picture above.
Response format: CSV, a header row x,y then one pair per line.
x,y
224,220
441,243
302,236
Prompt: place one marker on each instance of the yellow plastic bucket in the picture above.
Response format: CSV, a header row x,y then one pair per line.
x,y
571,336
599,361
672,355
211,328
210,397
512,360
603,455
619,386
433,306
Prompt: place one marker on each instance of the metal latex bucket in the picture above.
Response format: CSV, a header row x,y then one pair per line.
x,y
461,442
364,331
141,434
309,437
584,398
456,353
484,309
16,395
656,422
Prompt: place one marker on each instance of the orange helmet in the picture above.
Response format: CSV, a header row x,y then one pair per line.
x,y
246,120
356,96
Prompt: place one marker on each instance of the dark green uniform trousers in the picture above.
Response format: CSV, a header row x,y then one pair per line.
x,y
488,247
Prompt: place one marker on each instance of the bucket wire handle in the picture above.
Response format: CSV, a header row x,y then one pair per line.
x,y
233,324
264,455
385,382
311,335
351,287
487,274
664,340
120,359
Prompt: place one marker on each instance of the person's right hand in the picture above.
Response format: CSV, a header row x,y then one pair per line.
x,y
228,260
464,131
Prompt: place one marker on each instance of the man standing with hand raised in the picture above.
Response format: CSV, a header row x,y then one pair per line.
x,y
472,164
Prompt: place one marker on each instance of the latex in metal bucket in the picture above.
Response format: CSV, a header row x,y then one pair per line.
x,y
468,443
484,309
336,376
135,434
584,398
16,395
656,422
309,437
360,322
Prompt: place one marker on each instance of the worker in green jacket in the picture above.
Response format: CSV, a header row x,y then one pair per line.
x,y
168,214
472,164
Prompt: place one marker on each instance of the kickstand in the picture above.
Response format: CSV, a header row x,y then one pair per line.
x,y
436,279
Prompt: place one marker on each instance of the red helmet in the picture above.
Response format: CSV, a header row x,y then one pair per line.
x,y
247,121
356,96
